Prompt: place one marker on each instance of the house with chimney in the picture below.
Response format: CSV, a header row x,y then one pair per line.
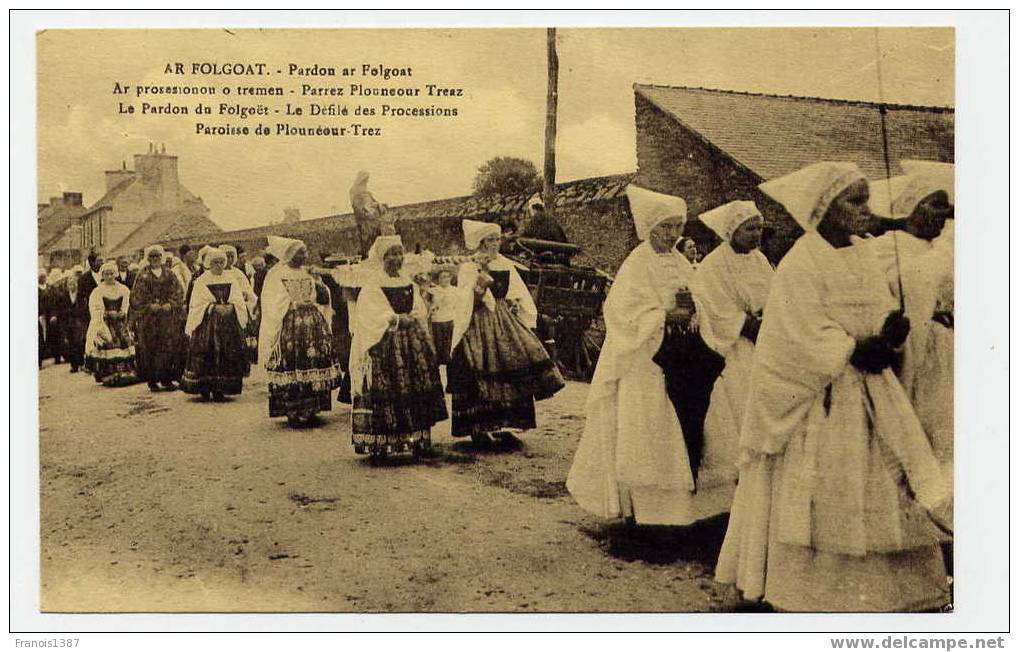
x,y
141,205
59,234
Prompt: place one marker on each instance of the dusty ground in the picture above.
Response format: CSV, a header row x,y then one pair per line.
x,y
158,502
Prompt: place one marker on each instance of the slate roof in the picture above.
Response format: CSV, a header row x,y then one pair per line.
x,y
166,225
55,219
772,135
111,194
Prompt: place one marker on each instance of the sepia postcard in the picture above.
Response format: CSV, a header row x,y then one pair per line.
x,y
498,320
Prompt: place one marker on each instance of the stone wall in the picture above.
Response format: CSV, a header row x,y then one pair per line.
x,y
677,161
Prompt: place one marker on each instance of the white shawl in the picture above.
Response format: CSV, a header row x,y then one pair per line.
x,y
836,489
97,327
250,299
467,278
202,299
276,302
643,291
644,450
371,323
730,286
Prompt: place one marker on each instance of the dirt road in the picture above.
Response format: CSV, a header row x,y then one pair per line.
x,y
159,502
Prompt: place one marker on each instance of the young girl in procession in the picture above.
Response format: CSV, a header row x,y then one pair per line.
x,y
441,312
294,341
395,384
217,315
732,288
840,497
156,314
498,367
109,347
636,459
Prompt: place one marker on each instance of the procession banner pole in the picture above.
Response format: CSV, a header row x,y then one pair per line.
x,y
883,110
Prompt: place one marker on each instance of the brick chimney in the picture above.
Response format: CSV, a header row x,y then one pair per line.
x,y
73,199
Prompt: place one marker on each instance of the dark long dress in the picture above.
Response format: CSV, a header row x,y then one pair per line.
x,y
341,334
112,362
86,283
157,317
70,326
498,369
55,297
405,398
690,369
217,360
43,325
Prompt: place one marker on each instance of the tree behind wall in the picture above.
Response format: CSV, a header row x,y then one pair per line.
x,y
507,175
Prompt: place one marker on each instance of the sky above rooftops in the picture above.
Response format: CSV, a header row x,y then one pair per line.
x,y
248,183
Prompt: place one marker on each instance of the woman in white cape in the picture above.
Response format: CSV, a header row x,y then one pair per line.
x,y
837,479
394,376
921,255
732,287
498,367
633,461
294,339
109,345
250,301
217,315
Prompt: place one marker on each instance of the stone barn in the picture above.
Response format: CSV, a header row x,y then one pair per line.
x,y
714,146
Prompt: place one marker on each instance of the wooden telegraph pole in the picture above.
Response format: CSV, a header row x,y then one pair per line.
x,y
551,106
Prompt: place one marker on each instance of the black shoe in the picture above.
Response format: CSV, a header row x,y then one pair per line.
x,y
205,396
424,451
482,439
74,369
153,387
218,397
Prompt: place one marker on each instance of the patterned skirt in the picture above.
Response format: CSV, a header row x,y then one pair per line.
x,y
496,373
302,369
113,362
405,397
217,361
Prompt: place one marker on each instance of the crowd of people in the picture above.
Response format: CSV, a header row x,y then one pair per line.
x,y
812,401
378,333
827,435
